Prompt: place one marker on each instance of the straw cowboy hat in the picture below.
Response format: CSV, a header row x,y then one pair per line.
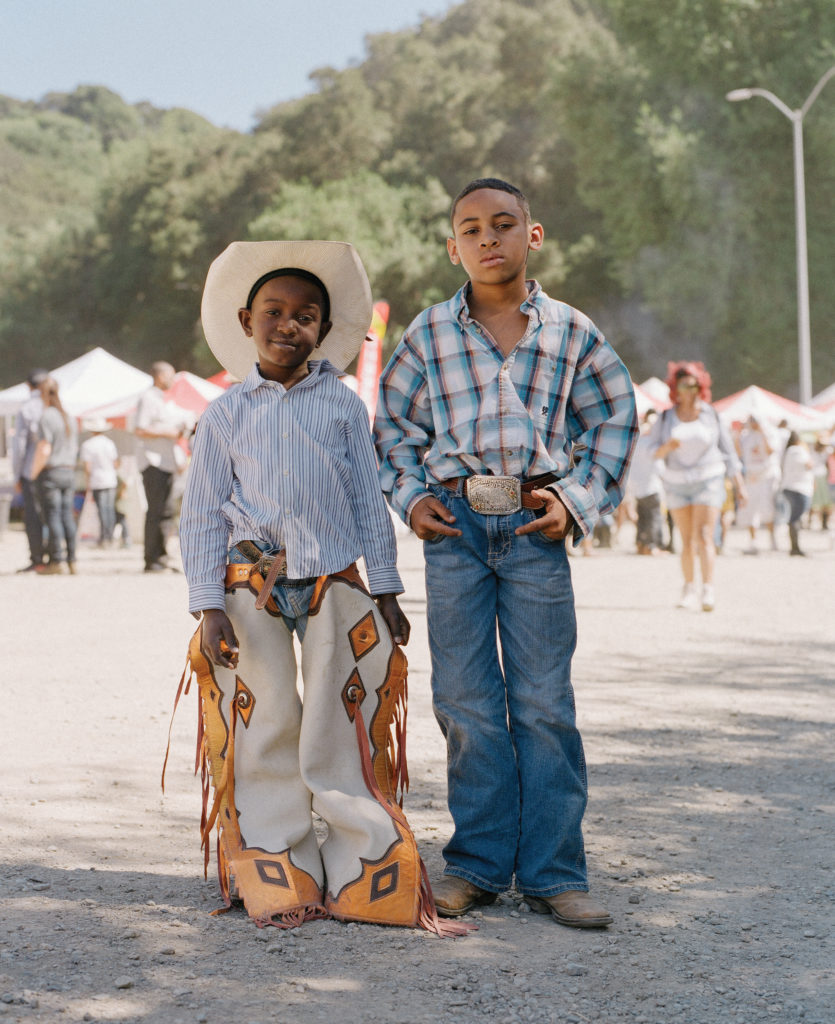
x,y
232,275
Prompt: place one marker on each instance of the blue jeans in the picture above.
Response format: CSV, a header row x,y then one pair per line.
x,y
515,767
57,490
105,499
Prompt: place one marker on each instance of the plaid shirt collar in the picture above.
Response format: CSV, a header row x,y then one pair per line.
x,y
534,304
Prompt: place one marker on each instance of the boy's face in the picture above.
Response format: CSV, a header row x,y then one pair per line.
x,y
492,237
285,323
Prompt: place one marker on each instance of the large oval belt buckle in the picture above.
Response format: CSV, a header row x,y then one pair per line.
x,y
493,495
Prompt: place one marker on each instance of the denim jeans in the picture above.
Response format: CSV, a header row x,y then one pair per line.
x,y
798,504
515,766
57,489
32,518
105,499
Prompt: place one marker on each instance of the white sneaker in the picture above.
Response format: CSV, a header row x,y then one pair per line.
x,y
708,598
689,598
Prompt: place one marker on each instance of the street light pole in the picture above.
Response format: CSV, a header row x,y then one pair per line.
x,y
796,117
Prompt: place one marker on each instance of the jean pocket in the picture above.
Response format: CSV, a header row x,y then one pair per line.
x,y
436,539
443,494
538,537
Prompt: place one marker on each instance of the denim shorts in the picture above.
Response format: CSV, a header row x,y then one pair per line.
x,y
701,492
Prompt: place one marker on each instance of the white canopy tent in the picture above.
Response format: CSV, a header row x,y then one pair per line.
x,y
657,390
825,399
92,380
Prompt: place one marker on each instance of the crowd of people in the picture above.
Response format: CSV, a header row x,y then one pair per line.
x,y
755,475
707,476
53,472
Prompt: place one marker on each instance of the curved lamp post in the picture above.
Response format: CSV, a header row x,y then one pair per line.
x,y
796,118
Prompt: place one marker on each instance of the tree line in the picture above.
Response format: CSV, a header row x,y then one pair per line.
x,y
668,211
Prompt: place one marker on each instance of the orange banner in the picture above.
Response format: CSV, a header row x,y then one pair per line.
x,y
370,363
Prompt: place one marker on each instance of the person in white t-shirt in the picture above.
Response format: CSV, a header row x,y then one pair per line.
x,y
760,452
698,454
159,426
798,483
100,459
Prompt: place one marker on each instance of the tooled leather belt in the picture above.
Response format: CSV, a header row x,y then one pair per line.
x,y
264,570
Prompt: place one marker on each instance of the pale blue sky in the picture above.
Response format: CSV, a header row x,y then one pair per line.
x,y
224,60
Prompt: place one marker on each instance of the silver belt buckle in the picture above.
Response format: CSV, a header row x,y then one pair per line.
x,y
493,495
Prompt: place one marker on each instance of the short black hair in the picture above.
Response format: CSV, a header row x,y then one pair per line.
x,y
496,183
305,275
36,378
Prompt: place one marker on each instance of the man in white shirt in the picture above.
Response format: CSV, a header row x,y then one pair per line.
x,y
159,426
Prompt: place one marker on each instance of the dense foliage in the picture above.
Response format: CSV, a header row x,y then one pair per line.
x,y
668,211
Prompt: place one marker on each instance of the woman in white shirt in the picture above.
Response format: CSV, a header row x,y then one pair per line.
x,y
798,484
698,454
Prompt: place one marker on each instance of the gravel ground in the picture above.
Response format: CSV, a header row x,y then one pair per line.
x,y
709,739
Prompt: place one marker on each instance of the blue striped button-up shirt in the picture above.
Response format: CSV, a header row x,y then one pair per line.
x,y
452,404
291,469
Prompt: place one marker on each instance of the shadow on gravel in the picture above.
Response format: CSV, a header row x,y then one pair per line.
x,y
731,661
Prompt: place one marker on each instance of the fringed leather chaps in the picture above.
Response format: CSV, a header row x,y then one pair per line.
x,y
272,760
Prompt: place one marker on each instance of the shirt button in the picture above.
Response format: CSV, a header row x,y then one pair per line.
x,y
286,472
288,511
285,434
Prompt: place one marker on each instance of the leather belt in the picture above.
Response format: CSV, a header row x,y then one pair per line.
x,y
262,572
475,493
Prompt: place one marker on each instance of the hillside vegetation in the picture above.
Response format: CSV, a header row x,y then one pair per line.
x,y
669,212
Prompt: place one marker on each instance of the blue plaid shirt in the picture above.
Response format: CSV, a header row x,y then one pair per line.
x,y
452,404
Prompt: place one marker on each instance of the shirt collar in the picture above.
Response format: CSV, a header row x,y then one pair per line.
x,y
316,367
534,304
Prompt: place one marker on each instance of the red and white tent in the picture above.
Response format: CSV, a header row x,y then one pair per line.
x,y
825,399
223,379
771,408
188,392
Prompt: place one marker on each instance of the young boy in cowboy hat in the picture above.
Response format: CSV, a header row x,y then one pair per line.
x,y
282,499
481,406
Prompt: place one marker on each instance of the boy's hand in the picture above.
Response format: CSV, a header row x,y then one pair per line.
x,y
396,621
430,517
219,640
556,521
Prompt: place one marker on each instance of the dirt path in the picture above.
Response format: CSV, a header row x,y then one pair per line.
x,y
710,830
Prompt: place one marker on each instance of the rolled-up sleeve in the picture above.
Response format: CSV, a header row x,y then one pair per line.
x,y
403,429
602,423
204,531
371,515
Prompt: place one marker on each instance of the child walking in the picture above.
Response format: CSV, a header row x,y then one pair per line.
x,y
100,458
281,501
484,401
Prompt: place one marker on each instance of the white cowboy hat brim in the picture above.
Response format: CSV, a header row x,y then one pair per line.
x,y
241,264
